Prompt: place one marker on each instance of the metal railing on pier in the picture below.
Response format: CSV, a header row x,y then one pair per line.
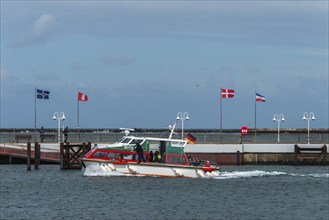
x,y
206,137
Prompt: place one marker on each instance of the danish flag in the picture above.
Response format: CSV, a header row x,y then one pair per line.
x,y
82,97
227,93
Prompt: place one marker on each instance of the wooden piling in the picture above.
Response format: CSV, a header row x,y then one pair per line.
x,y
238,158
61,156
310,155
324,154
28,155
70,154
36,155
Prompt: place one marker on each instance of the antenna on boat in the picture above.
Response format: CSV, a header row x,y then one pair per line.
x,y
172,129
127,130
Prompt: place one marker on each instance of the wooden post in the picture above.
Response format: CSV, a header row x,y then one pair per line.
x,y
36,155
296,153
28,152
61,155
324,154
238,158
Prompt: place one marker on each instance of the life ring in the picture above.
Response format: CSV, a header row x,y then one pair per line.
x,y
209,169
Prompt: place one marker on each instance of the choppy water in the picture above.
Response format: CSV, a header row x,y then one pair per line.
x,y
242,192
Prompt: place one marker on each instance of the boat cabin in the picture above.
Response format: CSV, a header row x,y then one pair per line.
x,y
156,150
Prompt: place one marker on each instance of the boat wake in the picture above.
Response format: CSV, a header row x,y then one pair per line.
x,y
261,173
223,175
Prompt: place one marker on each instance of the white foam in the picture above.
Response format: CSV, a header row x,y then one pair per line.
x,y
244,174
88,172
261,173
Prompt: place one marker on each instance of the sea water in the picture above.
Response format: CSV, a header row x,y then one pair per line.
x,y
241,192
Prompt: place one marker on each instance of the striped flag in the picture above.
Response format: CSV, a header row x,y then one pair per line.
x,y
190,138
260,98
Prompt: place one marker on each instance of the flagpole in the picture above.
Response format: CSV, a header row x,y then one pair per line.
x,y
255,114
35,113
221,115
78,120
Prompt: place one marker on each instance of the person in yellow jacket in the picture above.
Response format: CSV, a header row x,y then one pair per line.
x,y
157,157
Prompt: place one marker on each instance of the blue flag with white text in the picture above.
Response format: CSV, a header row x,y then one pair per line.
x,y
42,94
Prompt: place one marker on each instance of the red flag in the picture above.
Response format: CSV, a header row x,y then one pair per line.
x,y
227,93
82,97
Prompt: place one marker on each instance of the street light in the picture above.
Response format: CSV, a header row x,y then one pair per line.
x,y
278,118
308,117
59,117
182,117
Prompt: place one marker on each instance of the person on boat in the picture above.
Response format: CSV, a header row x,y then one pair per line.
x,y
151,156
139,150
207,164
157,157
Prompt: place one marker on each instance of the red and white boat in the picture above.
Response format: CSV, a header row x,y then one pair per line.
x,y
121,157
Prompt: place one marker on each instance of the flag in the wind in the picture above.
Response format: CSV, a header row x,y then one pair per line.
x,y
42,94
260,98
190,138
82,97
227,93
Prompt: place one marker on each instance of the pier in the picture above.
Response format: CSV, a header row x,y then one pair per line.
x,y
65,154
229,148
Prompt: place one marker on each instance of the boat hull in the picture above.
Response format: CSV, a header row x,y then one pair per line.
x,y
148,169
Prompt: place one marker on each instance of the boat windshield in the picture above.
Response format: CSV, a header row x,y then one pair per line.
x,y
124,140
129,140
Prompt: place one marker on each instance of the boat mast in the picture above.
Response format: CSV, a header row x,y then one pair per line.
x,y
172,129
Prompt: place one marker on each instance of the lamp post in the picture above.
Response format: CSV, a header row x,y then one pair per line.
x,y
59,117
278,118
182,117
308,117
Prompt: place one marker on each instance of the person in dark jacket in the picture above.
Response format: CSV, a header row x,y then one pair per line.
x,y
140,152
66,133
151,156
42,134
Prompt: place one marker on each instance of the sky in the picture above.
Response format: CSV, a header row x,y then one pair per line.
x,y
142,62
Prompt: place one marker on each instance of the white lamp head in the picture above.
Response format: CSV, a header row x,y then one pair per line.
x,y
304,118
313,117
282,119
177,118
187,118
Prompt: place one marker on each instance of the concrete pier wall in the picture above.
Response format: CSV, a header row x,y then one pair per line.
x,y
253,154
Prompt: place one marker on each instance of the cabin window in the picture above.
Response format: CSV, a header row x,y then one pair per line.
x,y
175,160
112,155
100,155
129,156
120,140
126,140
